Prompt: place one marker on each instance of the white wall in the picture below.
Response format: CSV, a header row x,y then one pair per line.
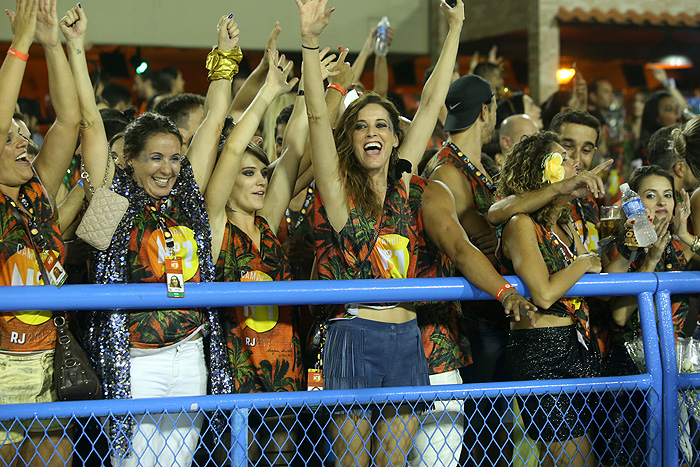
x,y
191,23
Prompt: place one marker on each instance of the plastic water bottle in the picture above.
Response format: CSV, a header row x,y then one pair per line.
x,y
644,230
381,46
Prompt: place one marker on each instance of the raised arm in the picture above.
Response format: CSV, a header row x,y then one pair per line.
x,y
358,67
381,69
444,230
435,90
94,139
661,76
254,82
521,245
59,144
23,23
202,151
329,181
219,188
585,183
283,182
281,187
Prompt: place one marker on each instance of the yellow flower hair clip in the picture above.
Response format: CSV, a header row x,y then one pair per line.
x,y
552,169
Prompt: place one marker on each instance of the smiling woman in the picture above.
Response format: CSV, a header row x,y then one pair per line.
x,y
376,219
164,231
157,164
30,239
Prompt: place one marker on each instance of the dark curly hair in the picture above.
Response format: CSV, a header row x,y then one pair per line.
x,y
357,180
522,172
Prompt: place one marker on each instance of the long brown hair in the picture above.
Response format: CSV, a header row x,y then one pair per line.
x,y
522,172
357,179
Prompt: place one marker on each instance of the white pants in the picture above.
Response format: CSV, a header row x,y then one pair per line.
x,y
166,439
438,442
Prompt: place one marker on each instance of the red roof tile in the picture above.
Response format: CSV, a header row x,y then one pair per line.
x,y
630,17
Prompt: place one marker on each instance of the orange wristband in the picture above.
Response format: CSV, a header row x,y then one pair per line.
x,y
338,88
503,289
17,54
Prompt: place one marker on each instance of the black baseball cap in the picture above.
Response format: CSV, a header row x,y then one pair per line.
x,y
464,101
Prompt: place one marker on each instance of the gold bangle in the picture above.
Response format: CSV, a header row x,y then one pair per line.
x,y
223,64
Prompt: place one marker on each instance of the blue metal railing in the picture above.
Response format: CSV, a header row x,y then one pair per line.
x,y
657,380
673,283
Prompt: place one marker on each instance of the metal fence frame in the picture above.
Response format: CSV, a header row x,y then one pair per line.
x,y
658,380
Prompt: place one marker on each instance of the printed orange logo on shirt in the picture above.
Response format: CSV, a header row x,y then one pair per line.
x,y
28,334
260,318
391,253
185,248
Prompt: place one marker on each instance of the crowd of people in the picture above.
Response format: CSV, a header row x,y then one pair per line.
x,y
337,184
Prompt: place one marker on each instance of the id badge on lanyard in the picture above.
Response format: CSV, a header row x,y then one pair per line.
x,y
174,277
57,275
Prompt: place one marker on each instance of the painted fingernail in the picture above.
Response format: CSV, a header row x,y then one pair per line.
x,y
79,5
229,36
632,222
230,16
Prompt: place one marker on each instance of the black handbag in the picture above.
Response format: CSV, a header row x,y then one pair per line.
x,y
73,375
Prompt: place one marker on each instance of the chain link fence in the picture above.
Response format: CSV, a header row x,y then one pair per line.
x,y
616,420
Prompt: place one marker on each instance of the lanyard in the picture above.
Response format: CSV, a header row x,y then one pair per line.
x,y
302,213
472,168
158,214
32,224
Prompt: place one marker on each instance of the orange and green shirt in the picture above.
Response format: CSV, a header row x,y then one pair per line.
x,y
263,343
29,330
146,264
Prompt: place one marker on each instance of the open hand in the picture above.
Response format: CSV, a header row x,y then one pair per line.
x,y
279,69
681,214
656,250
314,18
326,63
493,56
342,71
23,22
47,23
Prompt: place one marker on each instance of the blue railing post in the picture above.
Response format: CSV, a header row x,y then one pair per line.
x,y
672,283
655,369
670,377
238,422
